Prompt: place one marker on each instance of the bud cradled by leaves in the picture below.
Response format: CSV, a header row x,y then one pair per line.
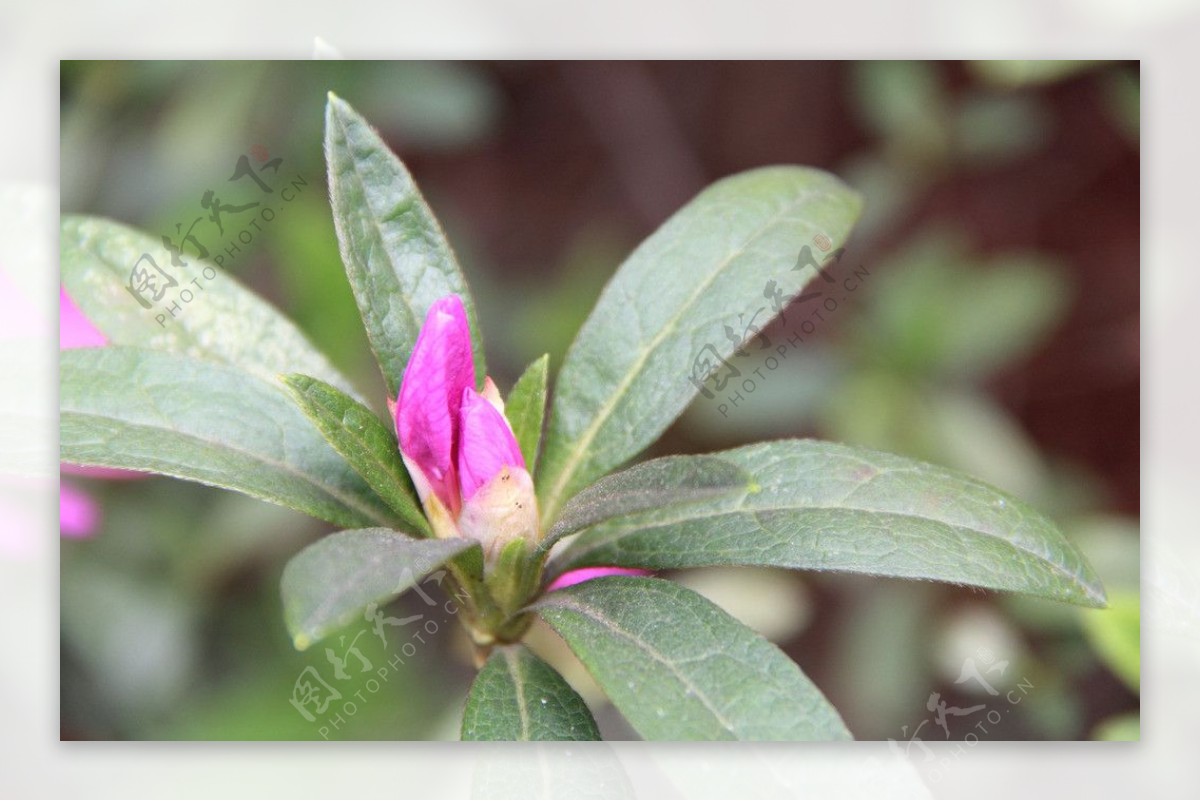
x,y
456,442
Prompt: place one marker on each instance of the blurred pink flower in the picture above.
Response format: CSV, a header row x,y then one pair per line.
x,y
582,574
79,514
75,330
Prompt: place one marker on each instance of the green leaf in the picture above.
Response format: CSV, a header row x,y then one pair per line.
x,y
679,668
364,442
905,104
397,258
660,484
198,420
519,697
1116,635
821,506
526,407
223,322
629,373
938,309
332,581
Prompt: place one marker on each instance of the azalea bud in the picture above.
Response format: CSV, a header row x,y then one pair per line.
x,y
430,398
456,443
497,491
492,395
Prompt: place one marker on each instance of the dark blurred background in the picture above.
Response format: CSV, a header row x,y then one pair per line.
x,y
994,327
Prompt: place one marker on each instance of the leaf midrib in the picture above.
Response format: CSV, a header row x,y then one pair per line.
x,y
610,624
512,663
669,501
567,472
378,240
633,528
377,243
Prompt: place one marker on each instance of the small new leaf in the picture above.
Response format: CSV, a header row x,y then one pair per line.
x,y
364,442
526,407
660,484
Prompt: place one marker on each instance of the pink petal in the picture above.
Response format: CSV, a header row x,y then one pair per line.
x,y
75,330
502,510
78,514
427,409
580,575
487,444
491,393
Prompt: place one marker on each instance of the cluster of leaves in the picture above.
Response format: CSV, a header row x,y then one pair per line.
x,y
232,395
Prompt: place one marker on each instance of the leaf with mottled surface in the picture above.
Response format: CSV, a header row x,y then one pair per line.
x,y
822,506
396,256
680,668
659,484
630,371
223,322
202,421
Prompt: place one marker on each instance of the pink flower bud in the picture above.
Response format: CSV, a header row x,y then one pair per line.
x,y
458,446
497,491
431,392
487,444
